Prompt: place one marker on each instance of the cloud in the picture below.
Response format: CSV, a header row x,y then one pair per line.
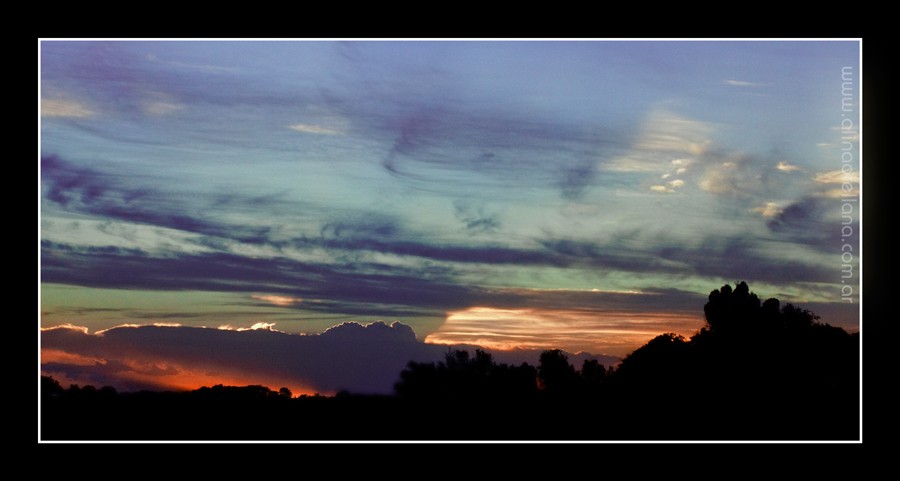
x,y
339,269
731,177
612,332
351,356
435,145
65,108
743,83
220,272
736,257
281,301
85,190
841,193
577,179
669,187
837,177
475,218
364,359
314,129
680,151
207,68
810,221
768,210
159,104
355,285
784,166
666,140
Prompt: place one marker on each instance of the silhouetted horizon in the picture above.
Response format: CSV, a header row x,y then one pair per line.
x,y
806,388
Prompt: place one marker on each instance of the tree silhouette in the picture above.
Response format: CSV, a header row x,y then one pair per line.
x,y
50,388
462,376
555,374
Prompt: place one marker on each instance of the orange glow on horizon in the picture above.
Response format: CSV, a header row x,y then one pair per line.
x,y
189,381
168,376
597,332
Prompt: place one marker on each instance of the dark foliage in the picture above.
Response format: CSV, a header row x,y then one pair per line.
x,y
757,370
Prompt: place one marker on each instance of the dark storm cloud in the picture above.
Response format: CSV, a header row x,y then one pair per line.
x,y
350,356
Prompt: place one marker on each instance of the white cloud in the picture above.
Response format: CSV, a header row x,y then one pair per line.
x,y
768,210
837,177
314,129
668,132
159,108
669,187
784,166
743,83
840,193
726,178
193,66
664,135
65,108
159,104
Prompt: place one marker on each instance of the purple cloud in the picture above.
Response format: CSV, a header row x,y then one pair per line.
x,y
350,356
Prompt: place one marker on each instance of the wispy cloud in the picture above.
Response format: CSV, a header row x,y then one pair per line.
x,y
664,138
281,301
159,104
572,330
86,190
837,177
208,68
314,129
743,83
65,109
732,176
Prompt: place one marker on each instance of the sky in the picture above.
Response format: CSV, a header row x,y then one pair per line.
x,y
264,197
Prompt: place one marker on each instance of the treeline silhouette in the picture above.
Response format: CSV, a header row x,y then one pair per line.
x,y
756,371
